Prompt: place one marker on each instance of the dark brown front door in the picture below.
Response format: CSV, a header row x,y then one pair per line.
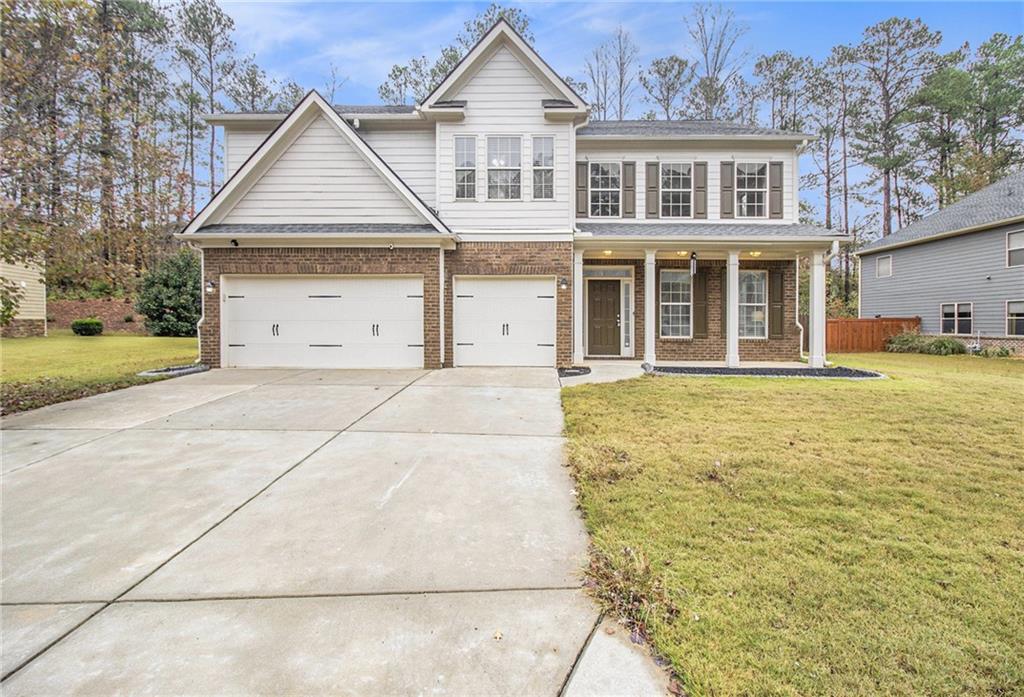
x,y
603,318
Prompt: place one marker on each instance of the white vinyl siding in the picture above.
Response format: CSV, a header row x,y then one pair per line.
x,y
883,266
676,298
753,304
239,145
410,153
321,178
713,155
504,99
32,304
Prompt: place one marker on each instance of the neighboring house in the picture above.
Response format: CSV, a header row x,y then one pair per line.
x,y
30,319
961,269
494,224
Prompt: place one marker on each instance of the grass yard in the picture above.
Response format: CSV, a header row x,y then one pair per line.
x,y
815,537
36,371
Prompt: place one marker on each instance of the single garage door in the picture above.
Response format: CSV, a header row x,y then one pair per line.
x,y
322,321
504,320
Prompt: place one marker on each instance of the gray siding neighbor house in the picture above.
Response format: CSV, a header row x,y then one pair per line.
x,y
961,269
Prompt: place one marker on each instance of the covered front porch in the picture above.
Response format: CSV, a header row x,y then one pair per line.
x,y
685,302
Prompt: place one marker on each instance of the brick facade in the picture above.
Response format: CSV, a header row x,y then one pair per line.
x,y
713,347
218,261
18,328
514,259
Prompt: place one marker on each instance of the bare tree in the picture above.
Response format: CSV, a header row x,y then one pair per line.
x,y
598,67
333,83
665,81
716,35
624,52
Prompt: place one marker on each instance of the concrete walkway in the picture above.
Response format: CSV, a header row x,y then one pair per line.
x,y
314,532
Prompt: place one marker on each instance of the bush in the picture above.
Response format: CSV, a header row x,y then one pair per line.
x,y
90,326
995,352
170,296
128,319
909,342
944,346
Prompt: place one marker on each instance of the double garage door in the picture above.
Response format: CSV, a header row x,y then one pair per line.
x,y
377,321
322,321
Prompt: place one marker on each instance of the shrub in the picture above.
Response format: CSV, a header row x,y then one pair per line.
x,y
89,326
909,342
170,296
128,319
995,352
944,346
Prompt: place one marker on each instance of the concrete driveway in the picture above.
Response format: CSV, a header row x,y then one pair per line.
x,y
286,531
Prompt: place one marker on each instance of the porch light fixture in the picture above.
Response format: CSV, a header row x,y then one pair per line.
x,y
755,254
209,286
607,252
682,253
563,283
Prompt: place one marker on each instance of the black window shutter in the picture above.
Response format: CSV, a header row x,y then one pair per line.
x,y
700,305
726,184
775,190
582,200
652,187
628,189
776,302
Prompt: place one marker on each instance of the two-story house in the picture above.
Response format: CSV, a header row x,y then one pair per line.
x,y
496,224
960,269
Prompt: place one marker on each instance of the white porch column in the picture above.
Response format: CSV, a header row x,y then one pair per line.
x,y
577,307
817,308
650,300
732,297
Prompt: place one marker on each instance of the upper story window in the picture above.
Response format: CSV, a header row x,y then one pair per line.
x,y
504,167
956,318
753,304
676,190
543,167
605,189
751,189
883,266
465,168
1015,317
1015,248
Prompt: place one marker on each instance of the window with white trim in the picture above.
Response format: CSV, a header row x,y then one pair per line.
x,y
465,168
883,266
676,190
504,168
543,168
956,318
676,304
751,189
753,306
605,189
1015,248
1015,317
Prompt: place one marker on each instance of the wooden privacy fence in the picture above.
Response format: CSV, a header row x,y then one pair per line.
x,y
860,335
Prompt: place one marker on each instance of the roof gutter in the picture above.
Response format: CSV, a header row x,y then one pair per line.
x,y
745,136
446,241
583,238
941,235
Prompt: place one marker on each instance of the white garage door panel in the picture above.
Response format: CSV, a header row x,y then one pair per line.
x,y
322,321
504,321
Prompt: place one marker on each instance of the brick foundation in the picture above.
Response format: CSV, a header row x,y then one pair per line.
x,y
514,259
18,328
219,261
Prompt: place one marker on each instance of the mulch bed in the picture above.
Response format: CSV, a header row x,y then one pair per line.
x,y
841,372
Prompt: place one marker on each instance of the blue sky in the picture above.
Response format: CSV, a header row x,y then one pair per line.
x,y
297,41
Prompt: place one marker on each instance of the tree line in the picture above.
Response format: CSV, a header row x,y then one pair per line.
x,y
104,151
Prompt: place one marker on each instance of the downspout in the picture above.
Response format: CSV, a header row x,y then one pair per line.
x,y
441,300
202,300
796,263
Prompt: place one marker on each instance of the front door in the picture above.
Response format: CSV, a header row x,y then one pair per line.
x,y
603,318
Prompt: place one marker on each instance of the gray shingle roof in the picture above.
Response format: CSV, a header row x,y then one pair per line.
x,y
318,229
708,229
374,108
993,204
680,129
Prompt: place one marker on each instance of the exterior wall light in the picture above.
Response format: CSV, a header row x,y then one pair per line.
x,y
607,252
563,283
682,253
209,287
755,254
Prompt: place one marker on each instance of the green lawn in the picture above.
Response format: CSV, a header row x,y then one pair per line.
x,y
813,537
42,370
